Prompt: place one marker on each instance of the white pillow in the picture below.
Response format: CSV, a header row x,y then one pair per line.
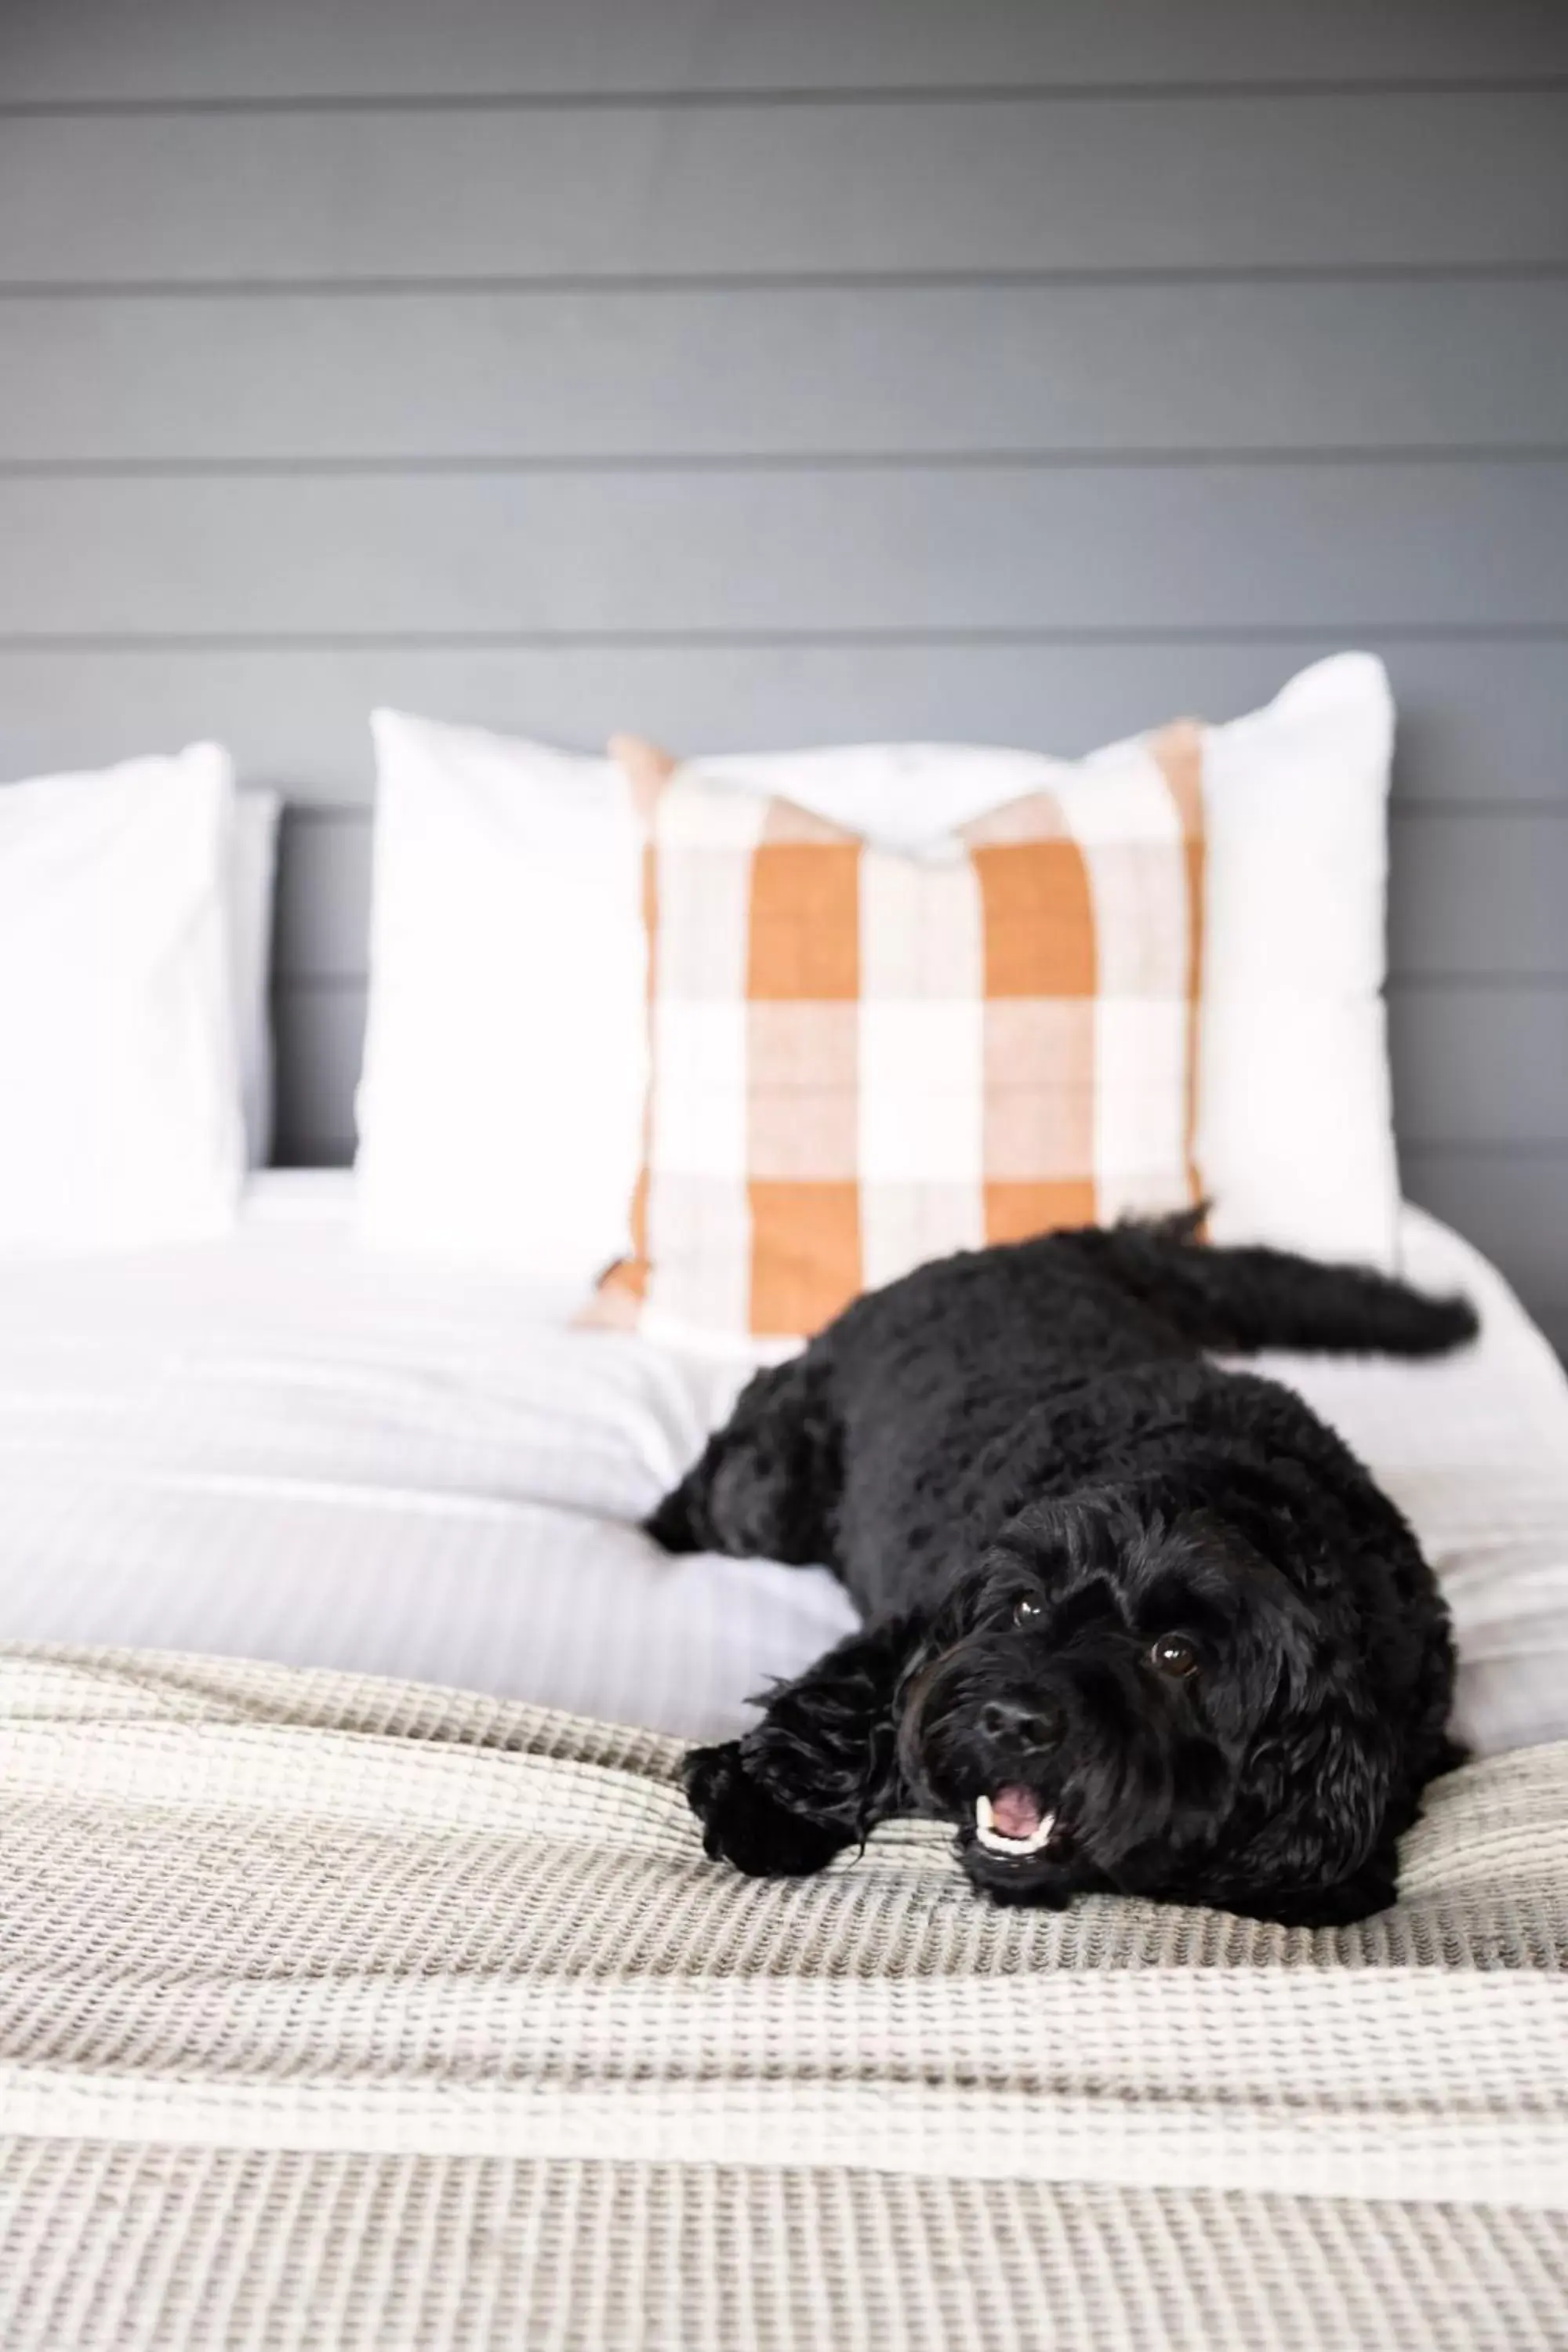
x,y
253,869
1295,1124
118,1067
1296,1114
501,1104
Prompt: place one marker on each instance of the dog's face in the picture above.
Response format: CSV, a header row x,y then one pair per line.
x,y
1110,1700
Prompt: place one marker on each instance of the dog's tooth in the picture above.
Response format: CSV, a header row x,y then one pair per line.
x,y
995,1841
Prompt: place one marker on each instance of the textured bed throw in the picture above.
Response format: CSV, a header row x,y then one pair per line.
x,y
340,2013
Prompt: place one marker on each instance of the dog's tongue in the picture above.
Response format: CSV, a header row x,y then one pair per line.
x,y
1016,1812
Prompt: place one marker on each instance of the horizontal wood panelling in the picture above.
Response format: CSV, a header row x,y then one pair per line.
x,y
1023,370
1480,722
787,372
925,548
1472,896
1475,1064
1032,185
1551,1315
321,926
1512,1205
77,50
319,1038
1484,896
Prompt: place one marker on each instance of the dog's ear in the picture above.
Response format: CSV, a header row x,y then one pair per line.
x,y
1371,1888
1277,1638
1318,1786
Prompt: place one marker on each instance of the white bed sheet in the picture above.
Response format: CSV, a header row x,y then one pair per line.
x,y
280,1447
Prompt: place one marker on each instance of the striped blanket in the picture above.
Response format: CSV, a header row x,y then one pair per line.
x,y
355,2014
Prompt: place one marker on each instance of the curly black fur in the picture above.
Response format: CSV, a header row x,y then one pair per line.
x,y
1031,1480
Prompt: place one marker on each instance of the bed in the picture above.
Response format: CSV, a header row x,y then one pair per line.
x,y
282,1446
363,1985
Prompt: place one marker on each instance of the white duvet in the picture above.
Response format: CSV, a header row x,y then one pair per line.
x,y
278,1446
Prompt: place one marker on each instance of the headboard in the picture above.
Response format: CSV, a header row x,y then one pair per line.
x,y
753,374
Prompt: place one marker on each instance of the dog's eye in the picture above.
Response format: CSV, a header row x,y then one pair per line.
x,y
1025,1610
1174,1655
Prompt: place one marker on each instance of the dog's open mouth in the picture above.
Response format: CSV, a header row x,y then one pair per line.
x,y
1012,1821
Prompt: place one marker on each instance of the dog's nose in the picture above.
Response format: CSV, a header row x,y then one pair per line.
x,y
1021,1723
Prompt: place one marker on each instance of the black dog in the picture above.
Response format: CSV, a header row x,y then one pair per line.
x,y
1132,1622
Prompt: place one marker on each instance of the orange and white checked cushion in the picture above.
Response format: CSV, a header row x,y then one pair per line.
x,y
860,1060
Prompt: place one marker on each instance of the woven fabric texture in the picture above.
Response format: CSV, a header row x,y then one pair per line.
x,y
859,1060
343,2012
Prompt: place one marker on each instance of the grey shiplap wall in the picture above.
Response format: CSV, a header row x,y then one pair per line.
x,y
760,374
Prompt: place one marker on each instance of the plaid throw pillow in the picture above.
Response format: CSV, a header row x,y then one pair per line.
x,y
859,1060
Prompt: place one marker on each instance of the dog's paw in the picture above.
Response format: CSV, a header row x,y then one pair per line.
x,y
744,1825
669,1523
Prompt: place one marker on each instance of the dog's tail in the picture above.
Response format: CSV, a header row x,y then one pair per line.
x,y
1238,1301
